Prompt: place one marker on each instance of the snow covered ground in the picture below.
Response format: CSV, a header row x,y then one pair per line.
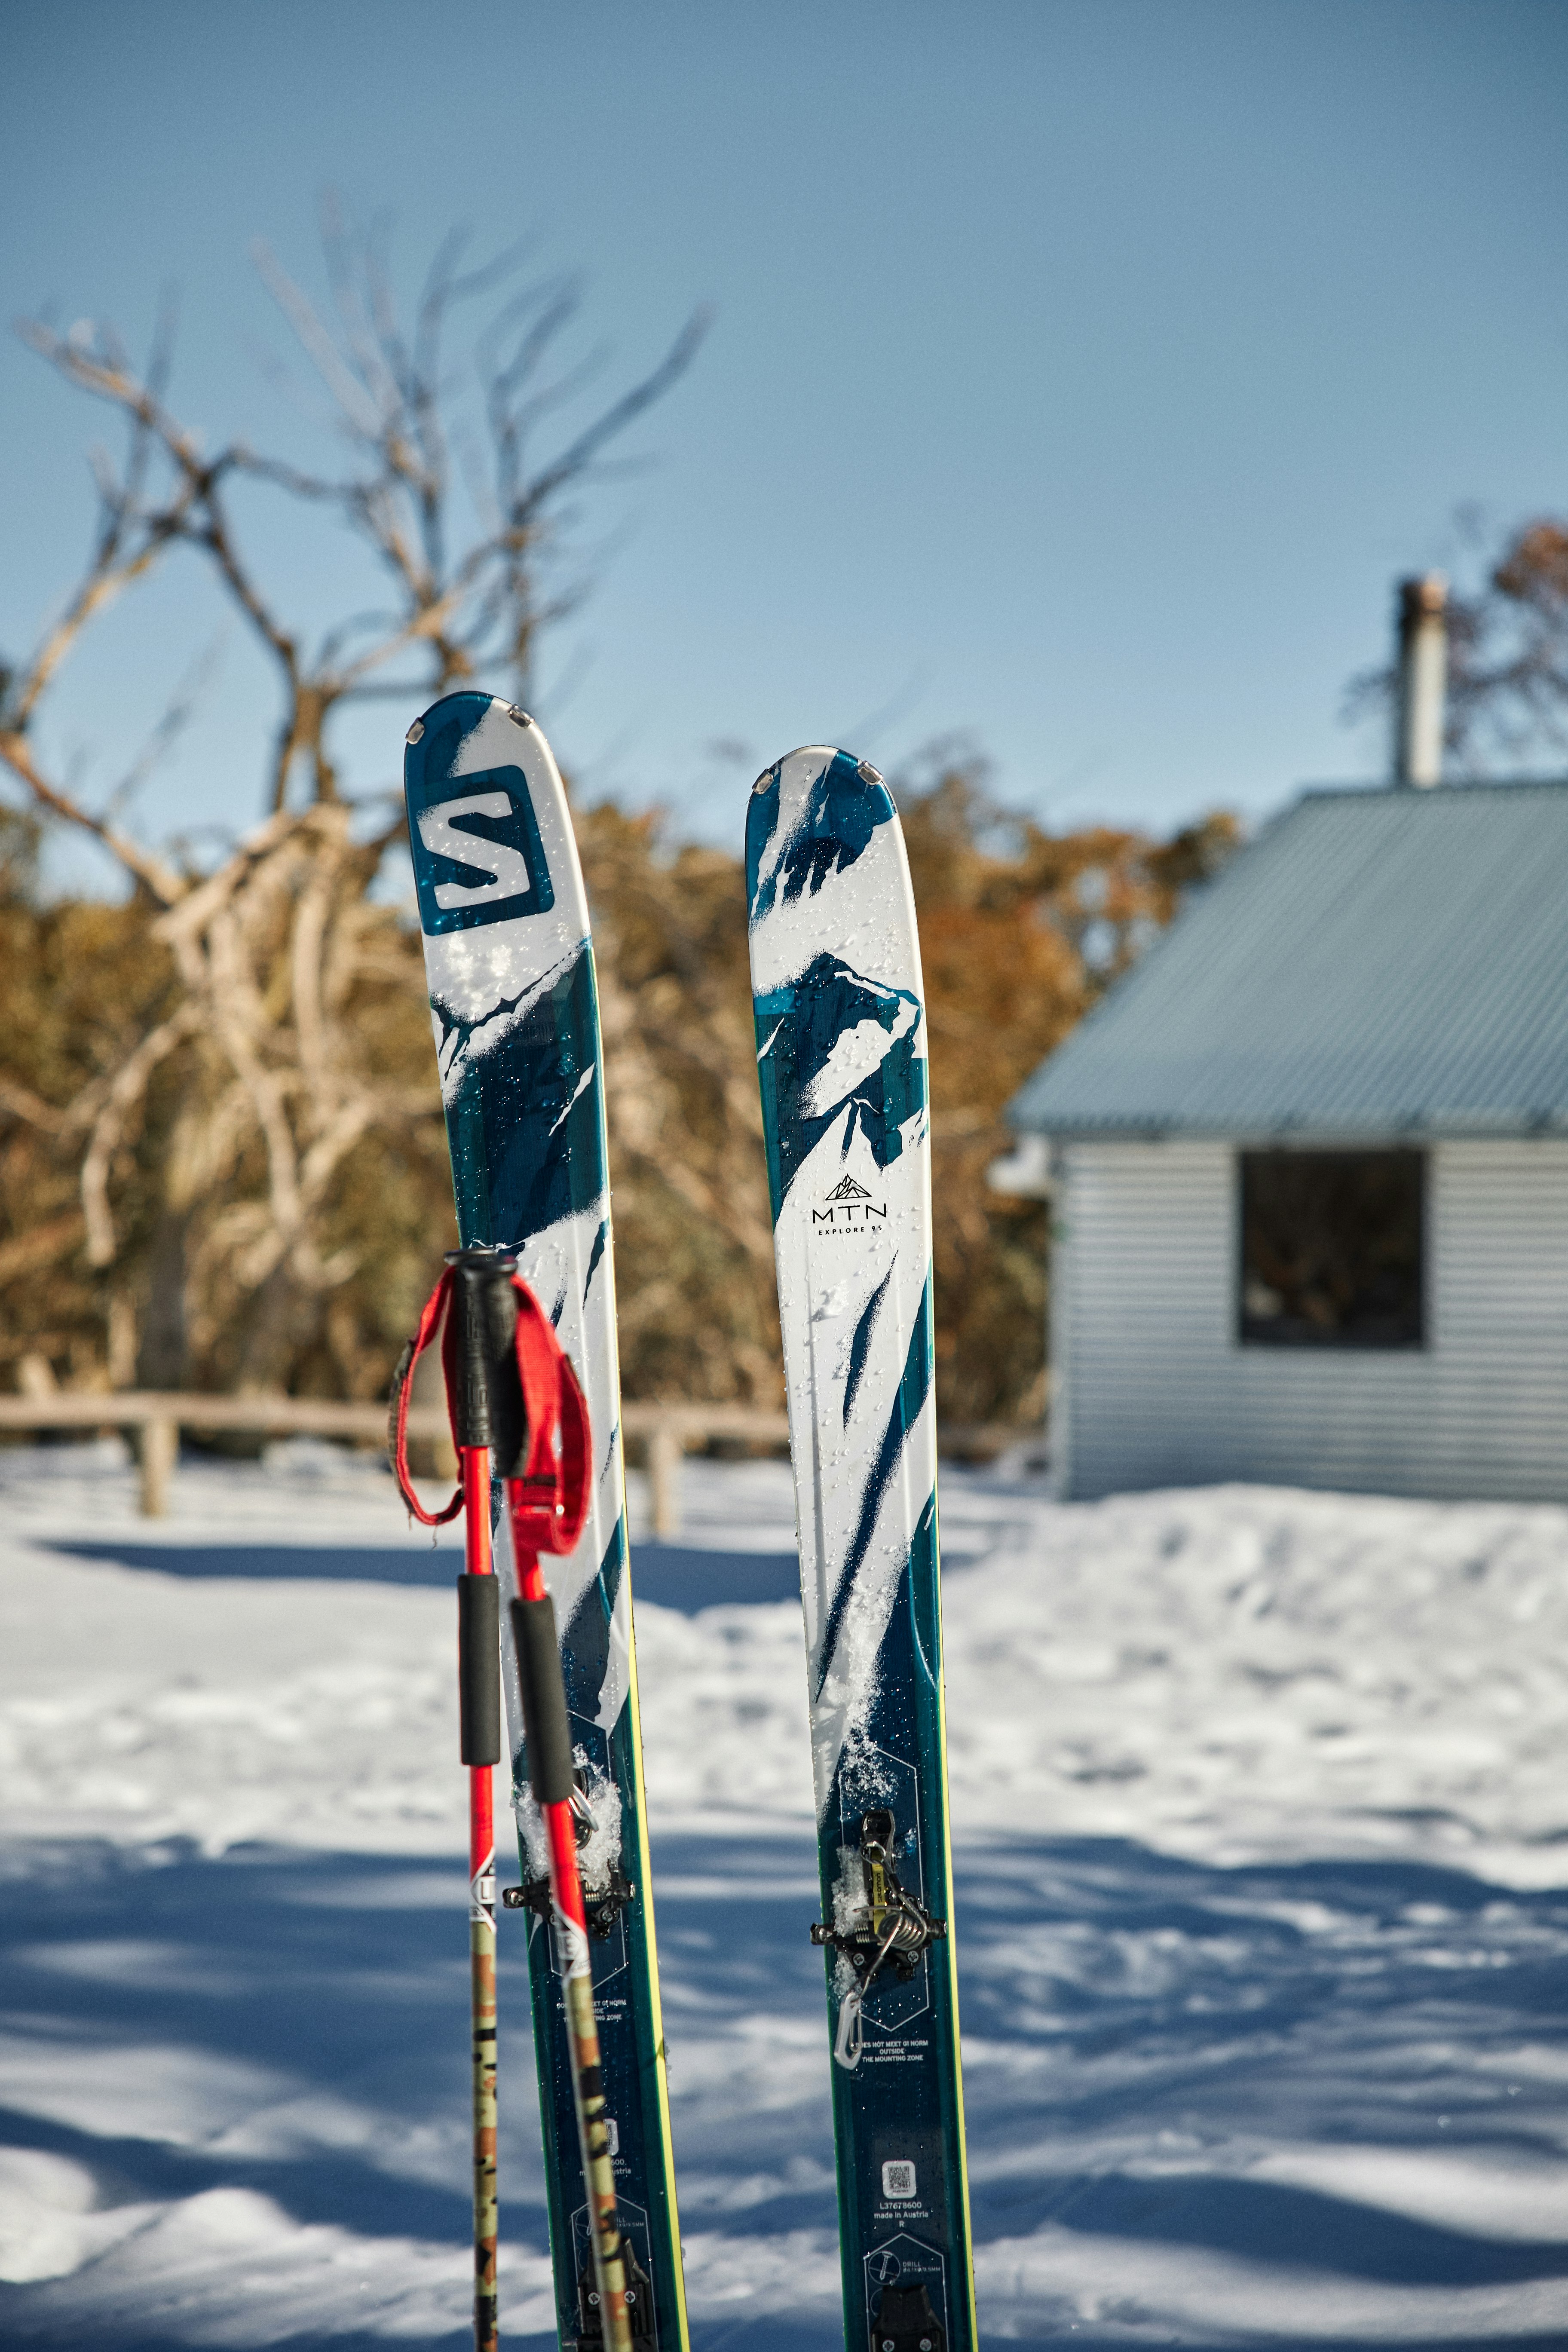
x,y
1261,1813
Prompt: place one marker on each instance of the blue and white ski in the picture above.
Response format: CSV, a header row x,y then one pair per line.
x,y
515,1005
841,1056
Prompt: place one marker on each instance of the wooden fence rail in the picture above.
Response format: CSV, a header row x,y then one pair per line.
x,y
664,1431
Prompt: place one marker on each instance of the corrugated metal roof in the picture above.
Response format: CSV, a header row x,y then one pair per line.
x,y
1377,963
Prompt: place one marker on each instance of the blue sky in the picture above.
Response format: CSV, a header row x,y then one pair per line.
x,y
1081,376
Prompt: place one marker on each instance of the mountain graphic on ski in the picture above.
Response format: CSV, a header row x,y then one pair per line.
x,y
514,1006
841,1058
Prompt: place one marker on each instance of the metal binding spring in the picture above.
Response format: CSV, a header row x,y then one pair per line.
x,y
909,1932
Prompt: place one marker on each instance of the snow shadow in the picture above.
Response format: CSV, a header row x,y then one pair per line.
x,y
206,1998
293,2027
1319,2083
337,1564
677,1575
284,2024
684,1577
1187,2087
1340,2072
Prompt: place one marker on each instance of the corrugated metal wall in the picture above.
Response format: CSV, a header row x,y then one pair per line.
x,y
1151,1387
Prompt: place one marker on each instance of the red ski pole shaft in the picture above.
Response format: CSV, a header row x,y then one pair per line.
x,y
468,1354
550,1773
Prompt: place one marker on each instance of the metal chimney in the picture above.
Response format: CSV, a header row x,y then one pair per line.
x,y
1423,680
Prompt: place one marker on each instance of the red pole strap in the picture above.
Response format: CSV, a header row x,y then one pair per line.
x,y
401,1382
550,1502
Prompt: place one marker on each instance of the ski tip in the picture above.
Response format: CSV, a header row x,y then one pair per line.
x,y
462,712
821,757
467,707
810,816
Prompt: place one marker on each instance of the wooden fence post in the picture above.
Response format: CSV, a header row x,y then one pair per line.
x,y
664,1453
159,1451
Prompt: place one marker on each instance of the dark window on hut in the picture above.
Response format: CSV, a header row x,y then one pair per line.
x,y
1333,1249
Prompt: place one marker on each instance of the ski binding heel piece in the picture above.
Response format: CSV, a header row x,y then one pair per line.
x,y
906,2322
603,1909
639,2307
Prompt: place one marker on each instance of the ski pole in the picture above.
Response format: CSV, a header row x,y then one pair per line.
x,y
510,1386
546,1507
484,1412
551,1777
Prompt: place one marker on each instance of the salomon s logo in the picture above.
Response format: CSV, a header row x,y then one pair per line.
x,y
478,856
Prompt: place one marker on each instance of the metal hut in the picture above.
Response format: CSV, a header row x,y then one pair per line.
x,y
1309,1161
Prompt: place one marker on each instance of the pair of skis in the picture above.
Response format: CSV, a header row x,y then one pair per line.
x,y
841,1058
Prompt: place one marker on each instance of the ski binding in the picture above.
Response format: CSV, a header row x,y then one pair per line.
x,y
602,1907
639,2307
898,1928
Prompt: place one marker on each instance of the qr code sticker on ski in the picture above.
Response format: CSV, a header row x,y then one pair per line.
x,y
899,2178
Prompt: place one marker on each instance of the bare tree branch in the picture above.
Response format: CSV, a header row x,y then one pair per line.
x,y
143,863
273,948
129,1085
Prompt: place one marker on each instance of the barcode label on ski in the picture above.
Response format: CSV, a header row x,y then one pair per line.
x,y
899,2178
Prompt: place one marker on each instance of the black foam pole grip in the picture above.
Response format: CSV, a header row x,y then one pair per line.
x,y
464,1348
479,1668
509,1418
479,1353
544,1723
